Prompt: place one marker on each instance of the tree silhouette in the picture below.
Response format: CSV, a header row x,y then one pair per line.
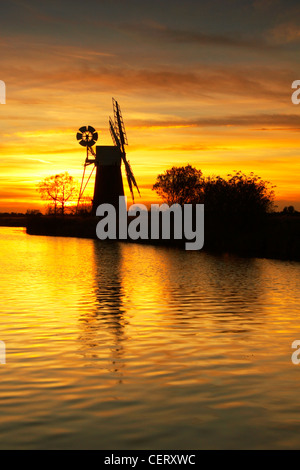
x,y
58,189
238,195
179,185
289,210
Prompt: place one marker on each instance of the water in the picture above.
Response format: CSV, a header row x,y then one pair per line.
x,y
121,346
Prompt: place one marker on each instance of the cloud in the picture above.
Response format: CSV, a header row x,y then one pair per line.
x,y
284,121
39,84
265,5
37,73
285,33
159,33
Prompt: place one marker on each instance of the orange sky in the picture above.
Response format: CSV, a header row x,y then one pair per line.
x,y
205,83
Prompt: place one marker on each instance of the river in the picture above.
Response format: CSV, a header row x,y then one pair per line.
x,y
124,346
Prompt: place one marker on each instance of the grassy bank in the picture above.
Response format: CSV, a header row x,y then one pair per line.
x,y
13,221
275,236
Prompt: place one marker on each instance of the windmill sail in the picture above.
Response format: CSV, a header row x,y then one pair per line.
x,y
114,136
119,137
119,125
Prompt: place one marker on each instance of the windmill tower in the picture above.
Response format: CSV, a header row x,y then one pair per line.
x,y
107,161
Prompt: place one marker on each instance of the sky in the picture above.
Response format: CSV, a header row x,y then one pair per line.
x,y
206,83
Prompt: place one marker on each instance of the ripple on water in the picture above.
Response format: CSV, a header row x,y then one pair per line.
x,y
125,346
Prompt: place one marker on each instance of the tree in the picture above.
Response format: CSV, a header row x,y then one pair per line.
x,y
33,213
238,195
58,189
179,185
289,210
84,208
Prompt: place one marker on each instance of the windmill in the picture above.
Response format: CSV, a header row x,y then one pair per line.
x,y
107,161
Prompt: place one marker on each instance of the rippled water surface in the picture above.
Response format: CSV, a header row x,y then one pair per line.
x,y
121,346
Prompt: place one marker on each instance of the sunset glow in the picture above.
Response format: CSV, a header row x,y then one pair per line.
x,y
194,87
154,331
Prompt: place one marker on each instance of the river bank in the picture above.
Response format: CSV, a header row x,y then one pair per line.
x,y
277,236
13,221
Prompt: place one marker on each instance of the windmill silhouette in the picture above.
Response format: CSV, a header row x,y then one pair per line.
x,y
107,162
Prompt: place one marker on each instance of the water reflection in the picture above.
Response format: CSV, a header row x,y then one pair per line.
x,y
157,297
124,346
104,321
185,288
172,289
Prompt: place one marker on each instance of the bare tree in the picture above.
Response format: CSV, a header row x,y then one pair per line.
x,y
58,189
